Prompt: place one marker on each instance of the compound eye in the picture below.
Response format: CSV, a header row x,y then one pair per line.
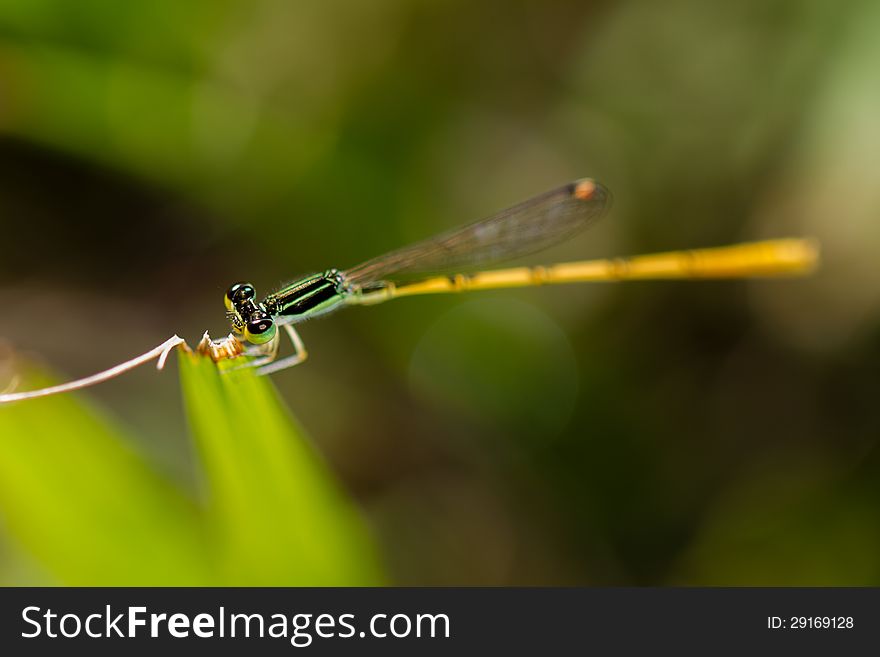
x,y
238,293
259,329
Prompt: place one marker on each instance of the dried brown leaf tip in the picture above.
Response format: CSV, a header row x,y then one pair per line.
x,y
222,349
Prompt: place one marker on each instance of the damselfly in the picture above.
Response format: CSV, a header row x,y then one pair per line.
x,y
447,263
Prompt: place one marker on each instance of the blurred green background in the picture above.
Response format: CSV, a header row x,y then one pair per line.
x,y
151,153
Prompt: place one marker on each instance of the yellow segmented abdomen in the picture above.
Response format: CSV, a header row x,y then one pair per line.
x,y
782,257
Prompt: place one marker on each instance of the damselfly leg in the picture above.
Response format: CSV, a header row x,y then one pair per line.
x,y
299,354
264,356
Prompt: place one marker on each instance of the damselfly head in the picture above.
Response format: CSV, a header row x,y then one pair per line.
x,y
259,327
248,318
238,294
236,322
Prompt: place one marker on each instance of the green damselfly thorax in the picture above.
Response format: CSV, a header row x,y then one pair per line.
x,y
442,263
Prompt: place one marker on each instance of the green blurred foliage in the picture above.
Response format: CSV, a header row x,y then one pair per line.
x,y
86,506
700,433
92,511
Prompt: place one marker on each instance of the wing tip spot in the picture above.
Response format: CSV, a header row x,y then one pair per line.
x,y
584,189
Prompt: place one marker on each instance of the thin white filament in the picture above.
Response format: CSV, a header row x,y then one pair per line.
x,y
161,352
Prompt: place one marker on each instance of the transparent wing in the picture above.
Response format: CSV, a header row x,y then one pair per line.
x,y
525,228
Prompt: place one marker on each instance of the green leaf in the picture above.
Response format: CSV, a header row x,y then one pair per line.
x,y
276,515
85,507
